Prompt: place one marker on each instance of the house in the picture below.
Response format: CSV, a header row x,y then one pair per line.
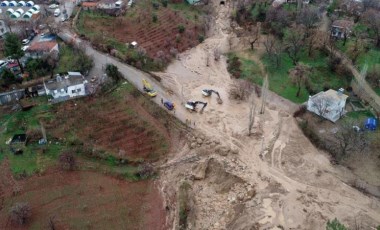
x,y
329,104
66,87
341,28
40,49
89,5
110,4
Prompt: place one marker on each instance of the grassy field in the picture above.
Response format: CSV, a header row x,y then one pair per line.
x,y
279,81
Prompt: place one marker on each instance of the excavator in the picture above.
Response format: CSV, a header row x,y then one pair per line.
x,y
208,92
148,89
192,105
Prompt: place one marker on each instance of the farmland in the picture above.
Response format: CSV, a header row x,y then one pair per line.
x,y
161,32
110,135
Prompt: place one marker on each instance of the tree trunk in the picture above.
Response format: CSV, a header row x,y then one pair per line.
x,y
252,43
298,91
19,64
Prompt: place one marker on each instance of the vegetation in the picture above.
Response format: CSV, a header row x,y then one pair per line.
x,y
335,225
20,213
113,72
38,67
73,59
184,207
12,48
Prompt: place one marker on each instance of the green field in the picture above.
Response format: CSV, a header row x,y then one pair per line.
x,y
320,78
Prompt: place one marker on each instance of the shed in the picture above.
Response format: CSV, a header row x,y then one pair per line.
x,y
12,3
36,7
27,15
5,3
20,11
30,4
15,15
370,123
21,3
10,11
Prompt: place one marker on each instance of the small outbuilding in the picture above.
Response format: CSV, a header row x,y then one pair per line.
x,y
370,123
15,15
28,15
10,11
4,4
21,3
36,7
30,4
12,3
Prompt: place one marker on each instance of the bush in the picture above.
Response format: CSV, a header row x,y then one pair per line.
x,y
20,213
67,161
181,29
154,18
165,3
234,66
145,171
201,38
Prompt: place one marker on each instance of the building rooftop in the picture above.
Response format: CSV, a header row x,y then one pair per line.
x,y
64,82
89,4
343,23
42,46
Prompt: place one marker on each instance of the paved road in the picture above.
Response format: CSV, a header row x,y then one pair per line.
x,y
130,73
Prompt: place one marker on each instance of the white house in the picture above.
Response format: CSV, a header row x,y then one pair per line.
x,y
66,87
330,104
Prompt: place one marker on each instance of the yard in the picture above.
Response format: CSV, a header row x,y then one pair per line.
x,y
160,33
321,77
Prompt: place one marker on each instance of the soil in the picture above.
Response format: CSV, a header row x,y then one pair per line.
x,y
296,187
118,125
87,200
162,35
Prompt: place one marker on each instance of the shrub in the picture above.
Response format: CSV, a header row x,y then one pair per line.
x,y
154,18
234,66
300,111
165,3
201,38
145,170
20,213
181,29
67,161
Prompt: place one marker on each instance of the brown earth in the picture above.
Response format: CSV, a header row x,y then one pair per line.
x,y
162,35
119,125
87,200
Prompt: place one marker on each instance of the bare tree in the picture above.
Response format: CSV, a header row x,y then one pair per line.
x,y
20,213
264,94
372,19
67,161
294,40
240,89
251,115
51,223
308,17
321,104
349,141
254,35
273,49
299,75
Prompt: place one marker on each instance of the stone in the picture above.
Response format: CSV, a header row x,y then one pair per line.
x,y
235,150
200,141
193,145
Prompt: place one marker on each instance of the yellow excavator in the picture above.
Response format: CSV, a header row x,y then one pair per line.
x,y
148,89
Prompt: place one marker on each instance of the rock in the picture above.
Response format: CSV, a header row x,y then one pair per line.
x,y
235,150
240,197
199,171
199,141
217,142
251,193
193,145
223,151
283,114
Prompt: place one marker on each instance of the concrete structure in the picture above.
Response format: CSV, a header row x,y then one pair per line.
x,y
330,104
66,87
341,28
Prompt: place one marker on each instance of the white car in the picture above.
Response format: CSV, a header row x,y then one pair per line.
x,y
53,6
64,18
25,41
24,48
57,12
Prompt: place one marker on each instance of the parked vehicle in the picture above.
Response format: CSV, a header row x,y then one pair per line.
x,y
25,41
53,6
57,12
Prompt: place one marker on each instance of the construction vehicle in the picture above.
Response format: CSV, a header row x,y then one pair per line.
x,y
169,105
192,105
208,92
148,89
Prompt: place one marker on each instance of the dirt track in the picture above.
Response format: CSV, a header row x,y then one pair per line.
x,y
296,186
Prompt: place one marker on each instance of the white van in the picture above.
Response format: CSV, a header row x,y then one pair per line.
x,y
57,12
